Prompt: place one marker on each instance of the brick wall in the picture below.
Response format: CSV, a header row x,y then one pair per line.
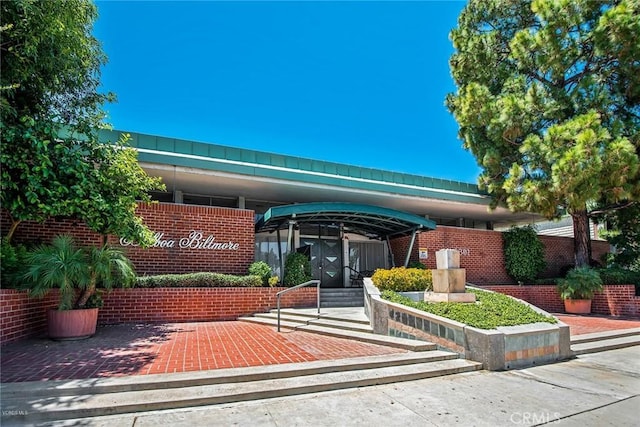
x,y
614,300
481,252
23,317
173,222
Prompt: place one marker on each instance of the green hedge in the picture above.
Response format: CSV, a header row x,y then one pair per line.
x,y
619,276
490,310
198,280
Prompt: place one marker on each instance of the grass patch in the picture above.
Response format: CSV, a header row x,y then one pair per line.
x,y
490,310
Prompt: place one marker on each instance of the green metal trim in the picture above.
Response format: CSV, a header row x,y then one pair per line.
x,y
372,221
170,151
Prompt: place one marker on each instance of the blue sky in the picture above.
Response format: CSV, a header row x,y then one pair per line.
x,y
354,82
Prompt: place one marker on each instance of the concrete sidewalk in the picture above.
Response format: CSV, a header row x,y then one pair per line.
x,y
601,389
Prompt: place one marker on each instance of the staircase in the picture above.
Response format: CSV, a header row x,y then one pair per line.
x,y
603,341
47,401
341,297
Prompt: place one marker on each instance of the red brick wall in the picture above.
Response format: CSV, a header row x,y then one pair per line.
x,y
174,222
481,252
614,300
23,317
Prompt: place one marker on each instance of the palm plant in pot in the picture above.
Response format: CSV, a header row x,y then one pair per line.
x,y
577,289
76,272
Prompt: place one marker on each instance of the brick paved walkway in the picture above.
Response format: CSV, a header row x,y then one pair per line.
x,y
118,350
579,325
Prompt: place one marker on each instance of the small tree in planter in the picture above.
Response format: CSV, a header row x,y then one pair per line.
x,y
70,269
577,289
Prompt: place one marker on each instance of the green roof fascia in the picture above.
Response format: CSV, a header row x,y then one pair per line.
x,y
319,207
171,151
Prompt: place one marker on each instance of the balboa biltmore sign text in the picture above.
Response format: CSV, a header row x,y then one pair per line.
x,y
195,240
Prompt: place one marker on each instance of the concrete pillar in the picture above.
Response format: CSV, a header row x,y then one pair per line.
x,y
177,197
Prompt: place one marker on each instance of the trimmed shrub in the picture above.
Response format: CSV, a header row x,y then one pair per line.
x,y
619,276
400,279
198,280
297,269
417,264
262,270
523,254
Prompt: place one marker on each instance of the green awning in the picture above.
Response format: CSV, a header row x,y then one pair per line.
x,y
367,220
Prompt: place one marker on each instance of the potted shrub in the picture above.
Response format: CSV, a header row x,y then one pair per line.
x,y
577,289
76,273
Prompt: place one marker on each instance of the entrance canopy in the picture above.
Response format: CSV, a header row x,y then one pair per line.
x,y
367,220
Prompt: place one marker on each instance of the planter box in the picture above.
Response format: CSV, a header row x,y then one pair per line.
x,y
72,324
577,306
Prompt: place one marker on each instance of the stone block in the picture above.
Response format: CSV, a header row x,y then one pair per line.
x,y
449,297
447,258
452,280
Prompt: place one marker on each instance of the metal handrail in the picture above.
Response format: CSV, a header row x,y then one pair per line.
x,y
301,285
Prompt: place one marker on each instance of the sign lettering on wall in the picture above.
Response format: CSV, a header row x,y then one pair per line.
x,y
195,240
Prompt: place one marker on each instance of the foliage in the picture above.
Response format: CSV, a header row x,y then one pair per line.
x,y
273,281
490,310
400,279
297,269
198,280
548,102
52,162
262,270
523,253
69,268
580,283
11,261
623,232
619,276
417,264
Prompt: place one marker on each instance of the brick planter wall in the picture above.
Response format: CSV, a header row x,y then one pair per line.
x,y
174,222
481,252
23,317
614,300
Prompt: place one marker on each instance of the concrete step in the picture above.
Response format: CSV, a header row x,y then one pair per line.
x,y
342,297
599,336
403,343
25,403
329,323
350,315
341,303
605,344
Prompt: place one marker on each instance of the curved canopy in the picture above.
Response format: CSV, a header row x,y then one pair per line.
x,y
371,221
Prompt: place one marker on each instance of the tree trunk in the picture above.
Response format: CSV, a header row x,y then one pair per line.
x,y
12,229
581,238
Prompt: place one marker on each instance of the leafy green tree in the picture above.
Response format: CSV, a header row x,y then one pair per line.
x,y
548,101
52,163
623,232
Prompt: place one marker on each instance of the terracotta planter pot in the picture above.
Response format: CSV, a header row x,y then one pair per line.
x,y
72,324
577,306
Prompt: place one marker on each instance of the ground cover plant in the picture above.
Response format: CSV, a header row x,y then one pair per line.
x,y
490,310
